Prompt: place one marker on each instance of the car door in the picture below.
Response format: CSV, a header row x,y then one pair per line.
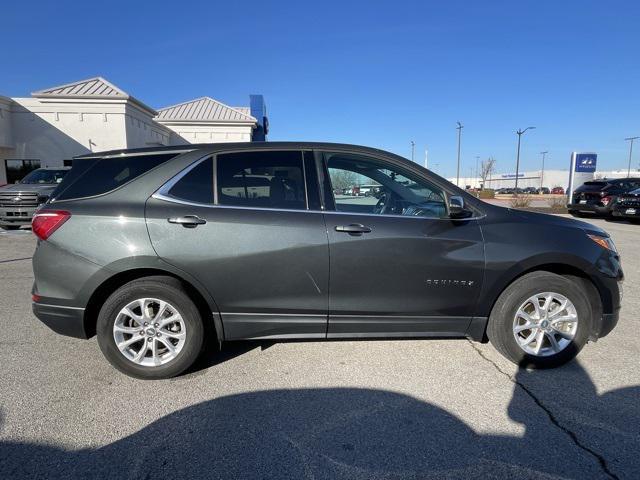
x,y
399,266
257,241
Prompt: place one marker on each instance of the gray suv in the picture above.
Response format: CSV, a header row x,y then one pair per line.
x,y
18,202
162,251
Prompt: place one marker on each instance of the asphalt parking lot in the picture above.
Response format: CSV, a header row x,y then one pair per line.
x,y
358,410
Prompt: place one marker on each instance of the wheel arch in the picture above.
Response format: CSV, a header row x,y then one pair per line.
x,y
596,293
205,304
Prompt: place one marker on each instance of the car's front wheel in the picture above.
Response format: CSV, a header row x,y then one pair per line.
x,y
542,320
150,328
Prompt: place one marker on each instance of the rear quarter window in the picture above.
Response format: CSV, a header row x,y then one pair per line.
x,y
90,177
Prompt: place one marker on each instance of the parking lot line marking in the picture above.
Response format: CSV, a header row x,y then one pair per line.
x,y
15,259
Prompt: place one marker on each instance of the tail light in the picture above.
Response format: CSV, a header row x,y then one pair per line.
x,y
605,201
45,222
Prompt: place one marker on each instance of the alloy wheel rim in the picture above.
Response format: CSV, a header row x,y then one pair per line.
x,y
545,324
149,332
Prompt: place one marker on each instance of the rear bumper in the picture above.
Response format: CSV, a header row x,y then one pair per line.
x,y
64,320
585,207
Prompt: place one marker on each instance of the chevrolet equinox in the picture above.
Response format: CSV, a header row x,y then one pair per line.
x,y
159,251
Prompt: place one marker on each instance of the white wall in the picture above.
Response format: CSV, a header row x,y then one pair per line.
x,y
6,131
53,131
56,129
207,133
552,178
6,135
143,131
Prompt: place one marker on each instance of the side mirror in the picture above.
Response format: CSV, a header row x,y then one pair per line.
x,y
456,207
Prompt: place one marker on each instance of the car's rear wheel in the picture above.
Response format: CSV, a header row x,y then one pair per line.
x,y
542,320
150,328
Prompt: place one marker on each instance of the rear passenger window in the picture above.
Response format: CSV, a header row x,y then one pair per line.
x,y
95,177
261,180
197,185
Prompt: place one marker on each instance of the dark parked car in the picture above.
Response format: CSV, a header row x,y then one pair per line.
x,y
19,201
543,191
599,196
160,251
627,206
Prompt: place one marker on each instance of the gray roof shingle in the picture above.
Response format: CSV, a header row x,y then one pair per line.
x,y
96,87
204,109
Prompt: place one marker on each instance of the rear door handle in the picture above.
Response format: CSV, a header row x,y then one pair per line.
x,y
188,221
353,229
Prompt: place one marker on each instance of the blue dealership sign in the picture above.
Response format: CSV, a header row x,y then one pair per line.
x,y
586,162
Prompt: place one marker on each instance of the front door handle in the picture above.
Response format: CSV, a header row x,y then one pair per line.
x,y
188,221
353,229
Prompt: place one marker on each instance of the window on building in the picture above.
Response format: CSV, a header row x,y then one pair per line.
x,y
197,185
18,169
271,179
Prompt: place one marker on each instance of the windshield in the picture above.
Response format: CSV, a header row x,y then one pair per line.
x,y
44,176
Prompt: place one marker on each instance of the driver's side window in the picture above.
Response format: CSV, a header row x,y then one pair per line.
x,y
362,184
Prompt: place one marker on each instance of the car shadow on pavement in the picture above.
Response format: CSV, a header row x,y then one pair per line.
x,y
364,434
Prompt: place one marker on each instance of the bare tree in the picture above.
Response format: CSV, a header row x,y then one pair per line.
x,y
487,167
341,179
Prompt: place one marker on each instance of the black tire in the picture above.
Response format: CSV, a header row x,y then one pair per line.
x,y
163,288
500,327
576,213
10,227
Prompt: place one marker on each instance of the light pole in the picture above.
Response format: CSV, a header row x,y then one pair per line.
x,y
477,160
459,128
519,132
544,154
413,147
630,140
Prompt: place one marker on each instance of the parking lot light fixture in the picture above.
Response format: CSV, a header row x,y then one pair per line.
x,y
459,128
519,133
544,154
630,140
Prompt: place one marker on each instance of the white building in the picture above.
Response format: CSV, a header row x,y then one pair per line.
x,y
55,124
536,178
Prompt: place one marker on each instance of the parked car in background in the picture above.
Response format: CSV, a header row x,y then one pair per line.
x,y
543,191
599,196
627,206
156,258
530,190
557,191
19,201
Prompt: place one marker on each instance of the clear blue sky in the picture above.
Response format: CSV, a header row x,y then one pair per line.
x,y
373,73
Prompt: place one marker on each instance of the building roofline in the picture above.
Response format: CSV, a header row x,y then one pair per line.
x,y
121,94
245,118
